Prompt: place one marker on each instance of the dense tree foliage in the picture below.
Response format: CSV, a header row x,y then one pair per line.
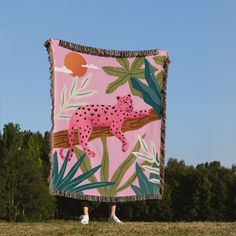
x,y
205,192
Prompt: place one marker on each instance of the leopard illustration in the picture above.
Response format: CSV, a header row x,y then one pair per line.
x,y
85,118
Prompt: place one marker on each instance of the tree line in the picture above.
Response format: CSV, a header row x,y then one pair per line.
x,y
206,192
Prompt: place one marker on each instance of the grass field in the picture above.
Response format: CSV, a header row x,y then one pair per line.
x,y
60,228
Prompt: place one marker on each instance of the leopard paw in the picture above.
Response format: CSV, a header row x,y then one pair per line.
x,y
125,147
91,154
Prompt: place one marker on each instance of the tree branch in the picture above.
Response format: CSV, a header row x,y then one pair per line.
x,y
60,138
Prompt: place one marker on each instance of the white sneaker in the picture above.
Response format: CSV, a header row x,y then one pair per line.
x,y
84,219
114,219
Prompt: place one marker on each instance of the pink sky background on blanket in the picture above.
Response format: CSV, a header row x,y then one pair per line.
x,y
99,82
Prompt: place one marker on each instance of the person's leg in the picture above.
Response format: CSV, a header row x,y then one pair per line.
x,y
85,205
84,219
112,213
112,209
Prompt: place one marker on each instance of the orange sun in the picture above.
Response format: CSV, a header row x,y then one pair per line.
x,y
74,61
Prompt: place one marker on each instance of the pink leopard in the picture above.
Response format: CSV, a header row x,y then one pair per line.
x,y
85,118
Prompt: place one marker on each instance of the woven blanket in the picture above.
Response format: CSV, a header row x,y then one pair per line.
x,y
108,122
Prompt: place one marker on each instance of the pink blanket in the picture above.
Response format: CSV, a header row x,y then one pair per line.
x,y
108,122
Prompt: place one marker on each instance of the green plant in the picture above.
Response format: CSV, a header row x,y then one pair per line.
x,y
124,73
145,185
151,92
151,185
118,174
67,183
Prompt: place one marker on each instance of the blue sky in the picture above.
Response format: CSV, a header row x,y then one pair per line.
x,y
200,37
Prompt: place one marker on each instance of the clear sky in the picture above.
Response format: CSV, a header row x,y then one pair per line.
x,y
200,37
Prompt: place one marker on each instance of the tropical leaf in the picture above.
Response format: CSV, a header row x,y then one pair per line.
x,y
62,97
71,173
121,170
90,186
151,80
67,183
64,117
160,60
143,157
115,71
62,171
73,87
123,61
127,183
137,64
54,170
151,169
80,178
87,93
124,73
136,190
116,84
85,82
154,180
74,106
86,164
160,77
143,144
134,91
142,179
153,148
104,171
139,74
148,95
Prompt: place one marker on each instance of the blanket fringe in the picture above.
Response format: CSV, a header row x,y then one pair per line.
x,y
107,198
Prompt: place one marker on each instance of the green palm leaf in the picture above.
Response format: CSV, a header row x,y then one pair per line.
x,y
156,176
62,171
81,178
71,173
86,164
136,190
90,186
104,171
133,90
127,183
143,180
115,71
116,84
121,170
54,170
160,60
137,63
148,94
151,80
123,61
139,73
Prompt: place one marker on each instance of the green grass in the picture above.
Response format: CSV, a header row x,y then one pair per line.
x,y
60,228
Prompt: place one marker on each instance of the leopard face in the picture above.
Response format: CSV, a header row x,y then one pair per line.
x,y
125,103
